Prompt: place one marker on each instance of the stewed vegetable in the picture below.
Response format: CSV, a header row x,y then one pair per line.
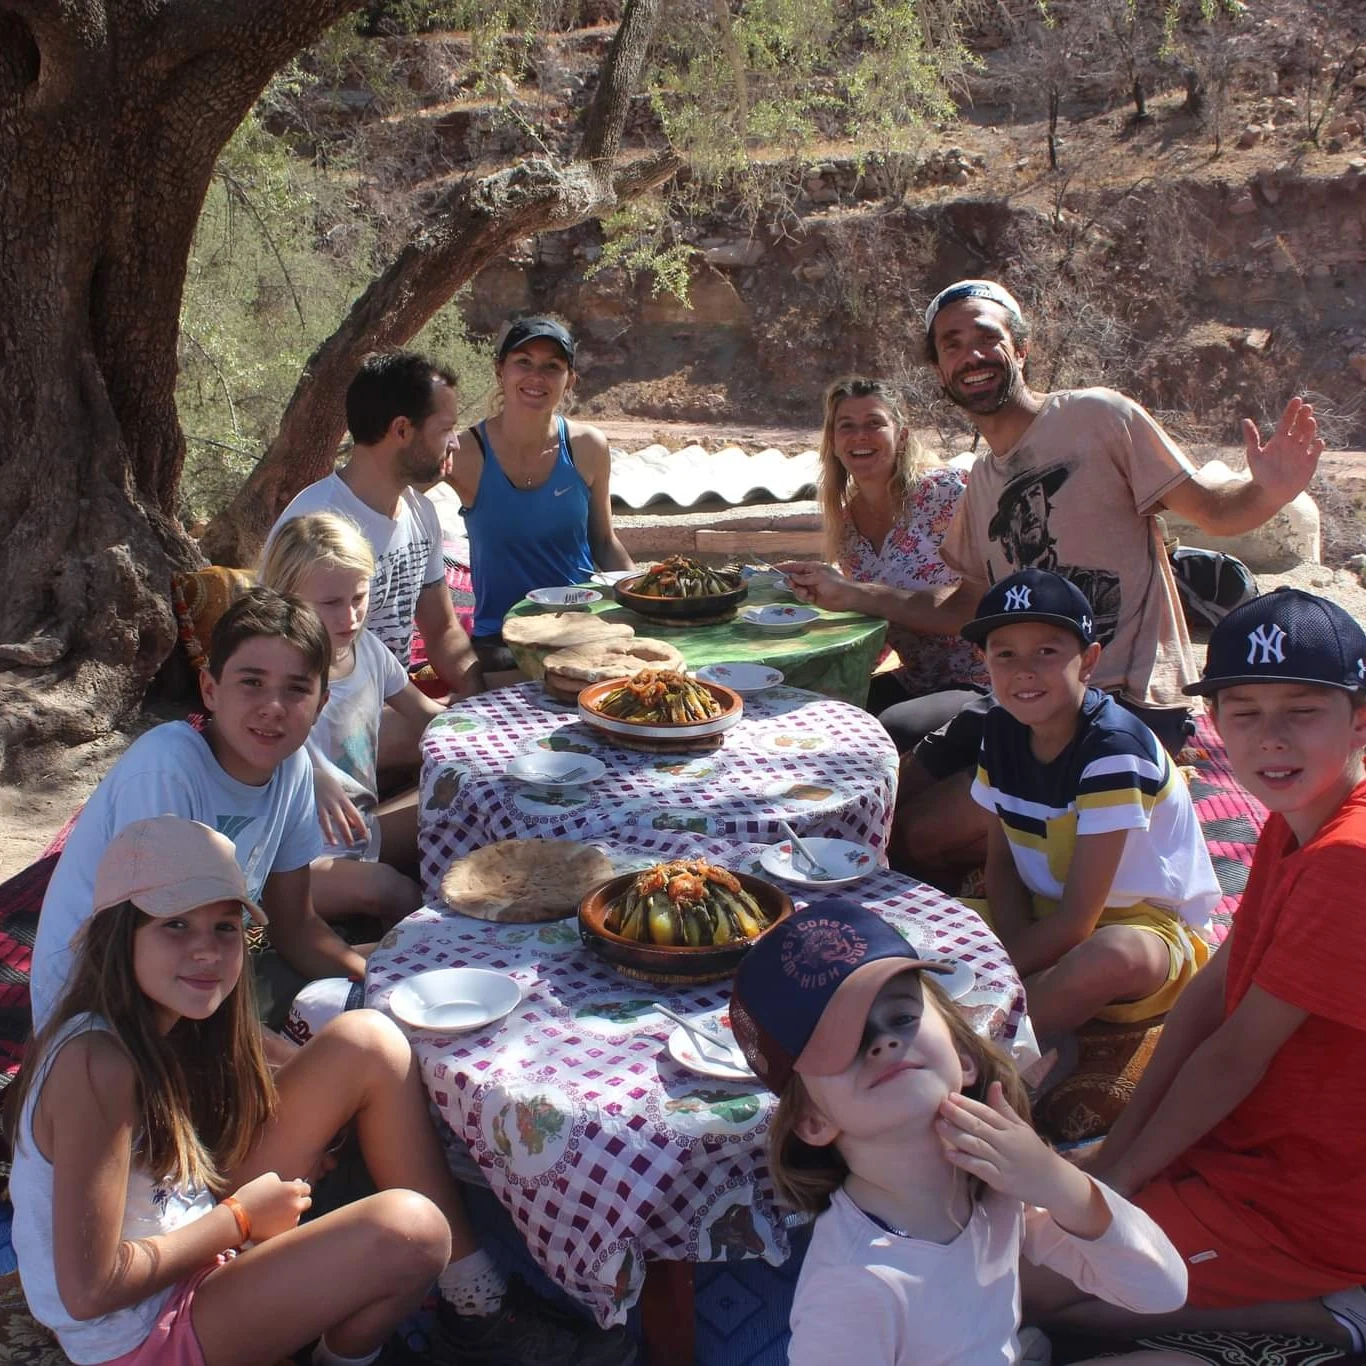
x,y
660,697
681,577
687,903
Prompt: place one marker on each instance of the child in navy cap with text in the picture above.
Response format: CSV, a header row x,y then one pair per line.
x,y
1098,880
1245,1136
927,1195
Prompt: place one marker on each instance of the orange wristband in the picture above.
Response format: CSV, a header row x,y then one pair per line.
x,y
241,1218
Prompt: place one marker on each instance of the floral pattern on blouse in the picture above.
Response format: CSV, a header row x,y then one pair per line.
x,y
909,558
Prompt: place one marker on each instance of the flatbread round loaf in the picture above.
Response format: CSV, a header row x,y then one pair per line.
x,y
520,882
597,661
562,630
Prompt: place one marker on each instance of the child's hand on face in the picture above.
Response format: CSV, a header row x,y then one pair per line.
x,y
992,1142
338,816
273,1206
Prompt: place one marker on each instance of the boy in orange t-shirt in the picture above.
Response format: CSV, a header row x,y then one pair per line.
x,y
1245,1139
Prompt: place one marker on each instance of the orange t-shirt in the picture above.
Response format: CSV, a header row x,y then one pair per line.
x,y
1293,1154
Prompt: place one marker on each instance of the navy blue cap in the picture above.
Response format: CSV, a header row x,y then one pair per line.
x,y
533,329
803,992
1288,636
1033,595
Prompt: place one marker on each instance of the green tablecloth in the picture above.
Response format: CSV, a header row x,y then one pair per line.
x,y
834,655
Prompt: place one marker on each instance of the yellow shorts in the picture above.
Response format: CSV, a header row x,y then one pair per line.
x,y
1187,953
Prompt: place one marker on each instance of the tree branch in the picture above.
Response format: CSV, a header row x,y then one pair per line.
x,y
239,191
619,81
642,175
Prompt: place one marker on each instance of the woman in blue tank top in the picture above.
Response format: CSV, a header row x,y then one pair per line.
x,y
534,486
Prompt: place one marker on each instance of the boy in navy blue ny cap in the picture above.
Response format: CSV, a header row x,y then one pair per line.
x,y
908,1132
1245,1136
1098,881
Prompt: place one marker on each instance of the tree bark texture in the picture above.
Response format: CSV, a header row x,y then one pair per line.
x,y
112,115
472,226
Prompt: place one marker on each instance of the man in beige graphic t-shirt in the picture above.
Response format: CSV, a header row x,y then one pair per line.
x,y
1071,482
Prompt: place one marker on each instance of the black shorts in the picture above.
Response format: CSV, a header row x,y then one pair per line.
x,y
494,657
954,747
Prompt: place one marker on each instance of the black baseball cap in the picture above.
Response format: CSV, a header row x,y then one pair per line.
x,y
532,329
1033,595
1288,636
803,992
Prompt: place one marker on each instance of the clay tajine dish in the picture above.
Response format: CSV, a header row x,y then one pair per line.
x,y
707,608
666,963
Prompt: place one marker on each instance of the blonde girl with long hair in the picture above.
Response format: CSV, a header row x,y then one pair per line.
x,y
368,868
152,1145
908,1135
885,506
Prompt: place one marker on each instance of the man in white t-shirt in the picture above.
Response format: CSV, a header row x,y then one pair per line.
x,y
402,415
1071,482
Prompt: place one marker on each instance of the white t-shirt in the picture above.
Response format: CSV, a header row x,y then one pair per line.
x,y
407,552
895,1301
345,738
150,1208
171,771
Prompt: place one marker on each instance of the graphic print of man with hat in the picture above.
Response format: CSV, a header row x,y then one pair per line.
x,y
1021,526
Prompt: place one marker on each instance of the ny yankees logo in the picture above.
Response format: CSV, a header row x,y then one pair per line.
x,y
1017,599
1361,670
1270,640
1086,625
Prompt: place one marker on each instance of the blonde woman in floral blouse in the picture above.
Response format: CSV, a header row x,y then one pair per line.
x,y
885,508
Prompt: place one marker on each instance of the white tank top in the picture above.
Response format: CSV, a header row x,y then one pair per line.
x,y
151,1208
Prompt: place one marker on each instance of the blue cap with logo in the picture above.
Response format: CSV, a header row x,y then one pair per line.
x,y
1032,595
803,992
1288,636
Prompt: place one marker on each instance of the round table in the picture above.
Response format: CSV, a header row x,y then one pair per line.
x,y
825,767
835,655
603,1148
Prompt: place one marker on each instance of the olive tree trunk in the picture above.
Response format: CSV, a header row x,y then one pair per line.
x,y
112,113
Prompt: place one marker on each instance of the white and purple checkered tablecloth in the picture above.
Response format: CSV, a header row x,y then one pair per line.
x,y
604,1149
825,767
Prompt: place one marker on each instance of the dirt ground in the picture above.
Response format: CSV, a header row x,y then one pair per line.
x,y
31,816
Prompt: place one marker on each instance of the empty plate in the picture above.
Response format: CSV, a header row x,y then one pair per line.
x,y
844,860
779,619
607,577
958,982
744,678
684,1051
550,768
564,597
453,1000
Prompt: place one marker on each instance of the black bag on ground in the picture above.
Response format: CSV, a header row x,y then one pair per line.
x,y
1211,584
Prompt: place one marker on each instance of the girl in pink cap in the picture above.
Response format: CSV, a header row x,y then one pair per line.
x,y
152,1145
908,1134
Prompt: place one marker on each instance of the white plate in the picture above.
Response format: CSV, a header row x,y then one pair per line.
x,y
744,678
607,577
564,597
779,619
550,768
958,982
453,1000
849,860
684,1052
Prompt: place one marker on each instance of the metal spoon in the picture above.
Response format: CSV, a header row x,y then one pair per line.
x,y
817,868
706,1041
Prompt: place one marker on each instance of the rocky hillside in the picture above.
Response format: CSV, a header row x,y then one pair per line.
x,y
1211,285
